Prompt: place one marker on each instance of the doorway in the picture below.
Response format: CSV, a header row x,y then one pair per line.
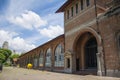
x,y
90,54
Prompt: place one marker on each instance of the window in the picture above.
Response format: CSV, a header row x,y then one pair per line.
x,y
68,63
81,1
72,11
76,8
28,59
35,61
48,58
59,56
119,41
41,59
68,13
87,2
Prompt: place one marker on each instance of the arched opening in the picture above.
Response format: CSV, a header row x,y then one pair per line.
x,y
48,58
86,50
41,59
35,61
59,56
90,54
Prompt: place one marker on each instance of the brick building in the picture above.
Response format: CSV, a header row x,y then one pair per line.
x,y
90,44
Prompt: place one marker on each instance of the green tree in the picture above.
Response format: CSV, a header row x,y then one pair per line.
x,y
4,55
13,56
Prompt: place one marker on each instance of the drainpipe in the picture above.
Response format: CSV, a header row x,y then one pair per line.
x,y
98,31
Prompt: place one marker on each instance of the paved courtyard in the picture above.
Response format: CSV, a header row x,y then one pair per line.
x,y
10,73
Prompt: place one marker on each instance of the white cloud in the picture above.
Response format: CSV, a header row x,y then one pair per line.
x,y
28,20
55,19
20,44
15,42
51,31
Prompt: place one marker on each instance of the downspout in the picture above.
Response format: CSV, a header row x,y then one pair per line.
x,y
98,31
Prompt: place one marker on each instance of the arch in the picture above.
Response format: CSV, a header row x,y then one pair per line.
x,y
35,60
79,44
59,56
41,57
48,57
90,30
90,53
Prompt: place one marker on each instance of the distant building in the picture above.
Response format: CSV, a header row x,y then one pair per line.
x,y
5,45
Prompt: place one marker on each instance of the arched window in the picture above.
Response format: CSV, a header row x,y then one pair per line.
x,y
48,58
35,61
41,58
59,56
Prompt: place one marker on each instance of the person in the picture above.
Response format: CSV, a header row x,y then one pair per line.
x,y
1,66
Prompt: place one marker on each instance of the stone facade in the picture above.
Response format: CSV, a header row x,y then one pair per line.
x,y
33,56
92,35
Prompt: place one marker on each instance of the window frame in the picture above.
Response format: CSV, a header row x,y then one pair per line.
x,y
41,58
72,11
76,7
87,3
81,4
118,41
48,58
59,56
68,14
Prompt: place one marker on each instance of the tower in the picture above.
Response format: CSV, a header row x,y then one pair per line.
x,y
5,45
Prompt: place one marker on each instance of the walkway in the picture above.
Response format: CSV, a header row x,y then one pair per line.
x,y
10,73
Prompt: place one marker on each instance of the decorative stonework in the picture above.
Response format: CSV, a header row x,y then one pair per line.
x,y
68,55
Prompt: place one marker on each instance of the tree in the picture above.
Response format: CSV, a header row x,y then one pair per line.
x,y
14,56
2,58
4,55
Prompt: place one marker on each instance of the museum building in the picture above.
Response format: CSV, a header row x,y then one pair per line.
x,y
90,43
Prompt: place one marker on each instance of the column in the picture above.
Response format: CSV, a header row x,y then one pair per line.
x,y
100,62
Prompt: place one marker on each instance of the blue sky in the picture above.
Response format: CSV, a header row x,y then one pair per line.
x,y
28,24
